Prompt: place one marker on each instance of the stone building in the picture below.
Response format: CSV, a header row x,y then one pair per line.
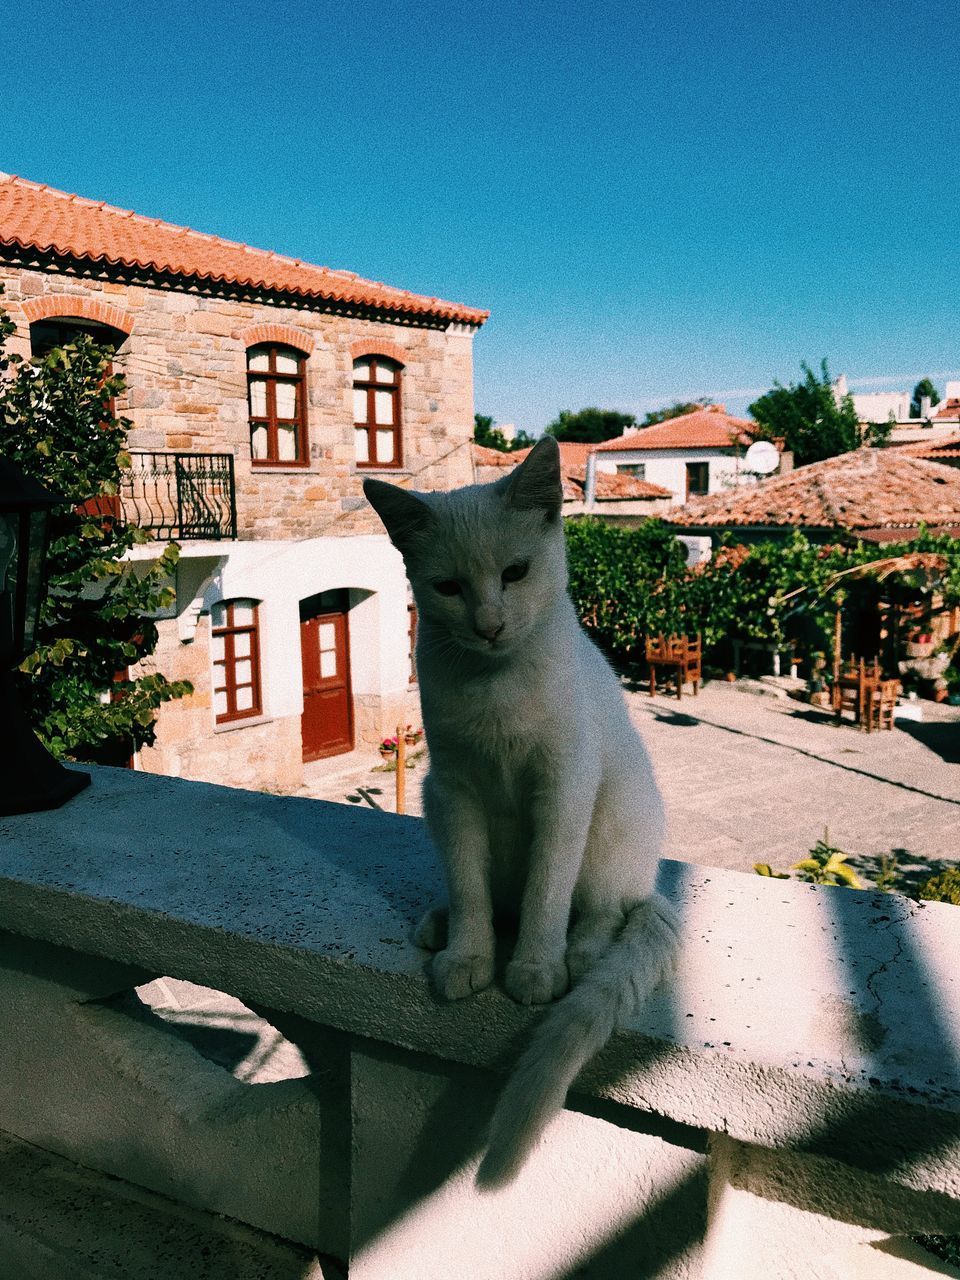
x,y
261,390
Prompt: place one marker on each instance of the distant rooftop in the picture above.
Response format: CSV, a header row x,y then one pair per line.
x,y
573,468
39,219
875,493
933,450
708,428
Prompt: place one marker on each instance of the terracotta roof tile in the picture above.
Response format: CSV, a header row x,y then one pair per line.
x,y
949,409
945,447
485,457
37,217
868,489
710,428
610,488
573,467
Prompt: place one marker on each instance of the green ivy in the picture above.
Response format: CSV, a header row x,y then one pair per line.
x,y
57,423
631,583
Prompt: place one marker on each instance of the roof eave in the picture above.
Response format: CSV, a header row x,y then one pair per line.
x,y
139,272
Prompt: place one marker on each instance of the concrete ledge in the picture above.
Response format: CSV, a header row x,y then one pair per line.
x,y
822,1020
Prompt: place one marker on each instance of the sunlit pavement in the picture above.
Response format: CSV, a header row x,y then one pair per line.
x,y
750,778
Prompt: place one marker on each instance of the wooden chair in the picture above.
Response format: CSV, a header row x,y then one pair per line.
x,y
678,655
856,689
882,702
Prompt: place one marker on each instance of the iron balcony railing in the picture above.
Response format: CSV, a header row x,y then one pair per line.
x,y
181,495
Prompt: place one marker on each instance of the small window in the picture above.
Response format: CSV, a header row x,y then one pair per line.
x,y
47,334
376,412
636,469
698,479
277,398
235,645
412,640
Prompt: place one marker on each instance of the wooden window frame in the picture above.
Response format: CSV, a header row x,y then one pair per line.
x,y
229,662
412,621
697,493
270,377
371,426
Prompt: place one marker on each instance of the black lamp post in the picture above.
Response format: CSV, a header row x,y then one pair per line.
x,y
30,778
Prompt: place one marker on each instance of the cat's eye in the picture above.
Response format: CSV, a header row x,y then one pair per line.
x,y
514,572
448,587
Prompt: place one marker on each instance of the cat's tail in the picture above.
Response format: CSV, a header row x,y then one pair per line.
x,y
576,1028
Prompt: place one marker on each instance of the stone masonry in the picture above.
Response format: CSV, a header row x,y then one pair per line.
x,y
184,361
185,364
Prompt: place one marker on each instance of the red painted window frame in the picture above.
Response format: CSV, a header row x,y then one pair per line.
x,y
412,638
371,426
229,662
271,377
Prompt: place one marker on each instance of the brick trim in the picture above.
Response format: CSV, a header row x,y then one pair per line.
x,y
285,334
378,347
65,304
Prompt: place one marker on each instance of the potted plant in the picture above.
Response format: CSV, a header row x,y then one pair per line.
x,y
388,749
920,645
412,736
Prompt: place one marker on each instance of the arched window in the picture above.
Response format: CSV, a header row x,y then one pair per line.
x,y
276,390
376,412
235,645
61,330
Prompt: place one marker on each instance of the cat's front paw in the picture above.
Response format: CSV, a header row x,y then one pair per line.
x,y
536,982
431,932
456,976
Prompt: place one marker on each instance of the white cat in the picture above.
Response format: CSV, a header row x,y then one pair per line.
x,y
540,796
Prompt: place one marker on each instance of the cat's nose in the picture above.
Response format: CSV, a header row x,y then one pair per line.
x,y
490,632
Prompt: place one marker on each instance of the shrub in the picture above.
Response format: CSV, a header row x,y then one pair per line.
x,y
57,423
944,887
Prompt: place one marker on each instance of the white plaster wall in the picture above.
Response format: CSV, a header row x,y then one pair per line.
x,y
281,574
668,468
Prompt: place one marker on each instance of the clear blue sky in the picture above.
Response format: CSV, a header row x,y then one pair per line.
x,y
654,199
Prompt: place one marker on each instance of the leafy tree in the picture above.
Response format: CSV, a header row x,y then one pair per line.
x,y
631,583
808,418
878,434
626,583
923,389
522,441
675,410
486,434
591,426
57,423
491,437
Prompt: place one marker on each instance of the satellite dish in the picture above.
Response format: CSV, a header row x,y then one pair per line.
x,y
762,457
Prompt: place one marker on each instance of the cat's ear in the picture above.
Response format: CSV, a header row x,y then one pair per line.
x,y
404,514
536,483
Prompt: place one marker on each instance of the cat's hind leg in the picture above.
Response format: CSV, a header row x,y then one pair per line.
x,y
431,932
590,939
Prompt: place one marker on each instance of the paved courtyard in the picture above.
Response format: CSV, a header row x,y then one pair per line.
x,y
750,778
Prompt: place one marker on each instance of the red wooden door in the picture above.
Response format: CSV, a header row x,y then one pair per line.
x,y
327,723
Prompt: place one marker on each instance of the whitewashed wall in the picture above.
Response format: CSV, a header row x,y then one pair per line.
x,y
668,467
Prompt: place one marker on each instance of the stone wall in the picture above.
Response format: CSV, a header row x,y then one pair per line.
x,y
262,754
185,364
184,360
